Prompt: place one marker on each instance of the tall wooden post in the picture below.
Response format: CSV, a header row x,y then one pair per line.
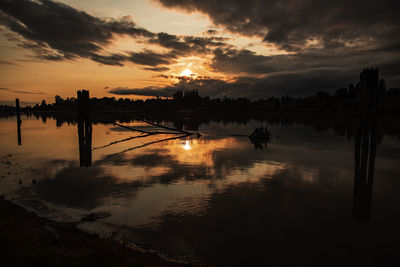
x,y
19,121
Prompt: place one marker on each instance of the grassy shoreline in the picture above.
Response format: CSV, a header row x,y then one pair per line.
x,y
28,240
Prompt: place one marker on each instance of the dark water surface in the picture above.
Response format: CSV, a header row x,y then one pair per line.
x,y
214,199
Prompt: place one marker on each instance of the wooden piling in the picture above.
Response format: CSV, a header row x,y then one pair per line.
x,y
83,102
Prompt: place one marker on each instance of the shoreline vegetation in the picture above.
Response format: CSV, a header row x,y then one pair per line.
x,y
190,103
29,240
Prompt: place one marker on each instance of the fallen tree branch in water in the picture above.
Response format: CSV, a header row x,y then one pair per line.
x,y
120,141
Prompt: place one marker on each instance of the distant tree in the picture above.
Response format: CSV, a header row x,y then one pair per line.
x,y
178,95
57,99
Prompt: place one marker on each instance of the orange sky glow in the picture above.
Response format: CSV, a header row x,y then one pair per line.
x,y
32,79
143,48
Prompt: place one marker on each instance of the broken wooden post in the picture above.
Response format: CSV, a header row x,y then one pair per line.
x,y
19,121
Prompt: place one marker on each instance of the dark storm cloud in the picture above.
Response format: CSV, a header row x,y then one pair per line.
x,y
41,50
290,23
63,27
171,41
183,45
146,57
203,42
158,69
55,31
236,61
230,60
151,58
296,83
147,91
114,59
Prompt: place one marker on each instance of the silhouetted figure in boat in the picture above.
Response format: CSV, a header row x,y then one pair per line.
x,y
260,138
365,143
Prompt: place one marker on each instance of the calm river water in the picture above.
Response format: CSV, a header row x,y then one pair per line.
x,y
213,199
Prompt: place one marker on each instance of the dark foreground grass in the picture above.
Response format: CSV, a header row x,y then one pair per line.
x,y
27,240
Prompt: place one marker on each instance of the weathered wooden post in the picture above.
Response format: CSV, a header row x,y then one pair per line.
x,y
365,142
84,129
19,121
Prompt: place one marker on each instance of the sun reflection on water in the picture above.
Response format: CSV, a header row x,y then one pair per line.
x,y
187,145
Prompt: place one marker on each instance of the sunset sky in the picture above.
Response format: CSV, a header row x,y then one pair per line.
x,y
144,48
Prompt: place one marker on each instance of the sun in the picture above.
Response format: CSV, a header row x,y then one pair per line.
x,y
186,72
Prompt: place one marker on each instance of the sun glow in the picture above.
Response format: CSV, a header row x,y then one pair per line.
x,y
186,72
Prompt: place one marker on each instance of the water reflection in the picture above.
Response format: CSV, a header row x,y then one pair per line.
x,y
19,121
187,145
365,145
85,141
364,155
84,130
182,195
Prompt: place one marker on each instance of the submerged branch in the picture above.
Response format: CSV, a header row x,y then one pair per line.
x,y
165,127
174,130
123,140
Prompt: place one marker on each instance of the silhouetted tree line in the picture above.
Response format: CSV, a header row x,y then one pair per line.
x,y
191,102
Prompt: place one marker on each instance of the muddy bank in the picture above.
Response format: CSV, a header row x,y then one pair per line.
x,y
27,240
